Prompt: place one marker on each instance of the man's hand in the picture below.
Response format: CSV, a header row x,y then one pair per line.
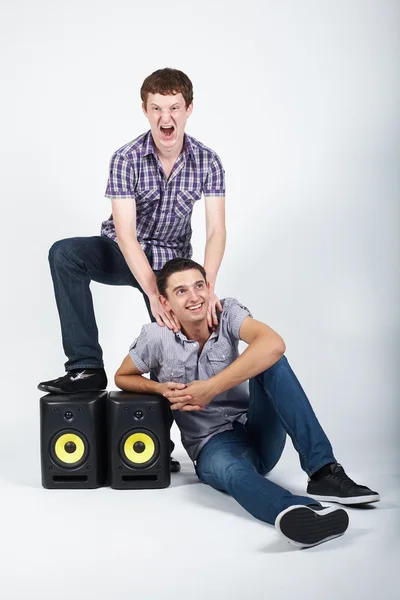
x,y
193,396
212,317
163,317
176,394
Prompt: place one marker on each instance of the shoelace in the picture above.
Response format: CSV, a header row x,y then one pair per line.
x,y
345,483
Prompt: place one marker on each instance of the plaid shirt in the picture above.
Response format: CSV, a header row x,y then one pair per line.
x,y
163,206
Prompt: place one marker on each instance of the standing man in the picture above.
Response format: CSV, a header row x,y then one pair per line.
x,y
153,184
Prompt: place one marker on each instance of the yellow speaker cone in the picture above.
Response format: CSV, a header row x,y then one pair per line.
x,y
139,448
69,448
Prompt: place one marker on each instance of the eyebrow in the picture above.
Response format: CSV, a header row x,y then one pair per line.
x,y
172,105
185,286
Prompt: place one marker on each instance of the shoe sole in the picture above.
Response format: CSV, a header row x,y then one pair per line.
x,y
54,390
347,501
304,527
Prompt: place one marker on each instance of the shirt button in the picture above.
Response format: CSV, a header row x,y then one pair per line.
x,y
223,356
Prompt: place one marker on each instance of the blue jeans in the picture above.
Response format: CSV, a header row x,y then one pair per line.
x,y
74,263
236,461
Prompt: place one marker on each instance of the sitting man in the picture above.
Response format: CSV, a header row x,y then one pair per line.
x,y
234,432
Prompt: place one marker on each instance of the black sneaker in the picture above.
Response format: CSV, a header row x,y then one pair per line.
x,y
306,526
336,486
174,464
78,380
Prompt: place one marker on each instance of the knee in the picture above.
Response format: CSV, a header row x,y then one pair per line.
x,y
61,251
280,365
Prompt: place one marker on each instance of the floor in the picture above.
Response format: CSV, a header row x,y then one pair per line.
x,y
185,542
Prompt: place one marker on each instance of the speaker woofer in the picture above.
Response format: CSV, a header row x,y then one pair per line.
x,y
69,448
139,448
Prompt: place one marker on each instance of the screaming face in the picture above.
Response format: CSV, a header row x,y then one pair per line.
x,y
167,116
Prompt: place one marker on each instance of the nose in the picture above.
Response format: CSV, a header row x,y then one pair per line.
x,y
165,116
193,296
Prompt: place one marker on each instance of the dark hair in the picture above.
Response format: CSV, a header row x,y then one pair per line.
x,y
176,265
167,82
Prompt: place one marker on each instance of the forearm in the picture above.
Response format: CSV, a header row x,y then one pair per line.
x,y
258,357
139,265
137,383
214,252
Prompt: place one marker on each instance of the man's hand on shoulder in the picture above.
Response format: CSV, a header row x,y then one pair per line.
x,y
163,317
212,317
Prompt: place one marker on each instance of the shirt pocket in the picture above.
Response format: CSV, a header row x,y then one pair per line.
x,y
146,200
185,200
173,371
221,356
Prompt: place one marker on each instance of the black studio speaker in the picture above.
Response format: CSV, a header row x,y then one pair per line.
x,y
73,440
138,441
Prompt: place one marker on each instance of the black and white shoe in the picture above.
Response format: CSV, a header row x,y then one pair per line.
x,y
336,486
175,465
78,380
306,526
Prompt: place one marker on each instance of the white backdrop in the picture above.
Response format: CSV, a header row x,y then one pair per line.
x,y
301,102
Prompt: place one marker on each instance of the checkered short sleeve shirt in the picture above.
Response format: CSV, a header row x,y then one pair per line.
x,y
163,207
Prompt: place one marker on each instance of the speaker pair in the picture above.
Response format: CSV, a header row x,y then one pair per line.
x,y
90,440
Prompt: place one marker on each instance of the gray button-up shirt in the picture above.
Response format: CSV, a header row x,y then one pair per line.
x,y
173,357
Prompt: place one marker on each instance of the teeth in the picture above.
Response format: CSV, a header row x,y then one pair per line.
x,y
194,307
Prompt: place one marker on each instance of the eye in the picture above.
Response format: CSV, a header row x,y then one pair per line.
x,y
200,285
155,108
175,108
180,292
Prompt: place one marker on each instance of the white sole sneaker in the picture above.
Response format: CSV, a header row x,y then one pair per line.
x,y
348,501
306,526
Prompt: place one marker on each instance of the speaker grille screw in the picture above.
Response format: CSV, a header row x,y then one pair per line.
x,y
80,408
88,468
55,409
126,408
120,468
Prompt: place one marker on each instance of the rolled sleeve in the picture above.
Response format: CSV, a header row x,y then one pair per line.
x,y
121,179
142,353
215,181
236,313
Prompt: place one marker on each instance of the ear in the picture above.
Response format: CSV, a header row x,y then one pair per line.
x,y
164,302
144,109
189,110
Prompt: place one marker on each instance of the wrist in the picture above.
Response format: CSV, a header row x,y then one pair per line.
x,y
213,386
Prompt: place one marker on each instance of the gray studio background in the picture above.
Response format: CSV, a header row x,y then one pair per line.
x,y
301,101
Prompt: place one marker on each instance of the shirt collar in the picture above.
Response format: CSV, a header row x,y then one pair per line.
x,y
183,337
150,148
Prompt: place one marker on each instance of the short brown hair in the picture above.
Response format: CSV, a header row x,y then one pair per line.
x,y
176,265
167,82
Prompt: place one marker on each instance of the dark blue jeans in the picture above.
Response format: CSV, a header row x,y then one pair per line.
x,y
74,263
236,461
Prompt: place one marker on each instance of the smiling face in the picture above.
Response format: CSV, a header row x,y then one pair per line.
x,y
167,116
188,296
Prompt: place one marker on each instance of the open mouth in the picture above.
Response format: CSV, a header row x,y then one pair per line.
x,y
196,308
167,133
